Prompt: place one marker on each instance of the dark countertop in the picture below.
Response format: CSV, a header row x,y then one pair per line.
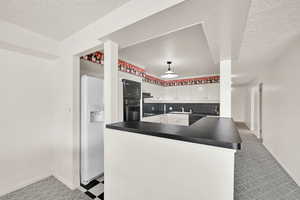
x,y
214,131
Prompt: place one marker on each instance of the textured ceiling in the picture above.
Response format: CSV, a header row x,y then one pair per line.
x,y
272,26
55,19
187,48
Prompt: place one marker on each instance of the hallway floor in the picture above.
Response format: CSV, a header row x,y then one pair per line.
x,y
258,176
47,189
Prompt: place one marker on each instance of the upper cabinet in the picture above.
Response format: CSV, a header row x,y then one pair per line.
x,y
156,91
205,93
171,93
213,92
198,92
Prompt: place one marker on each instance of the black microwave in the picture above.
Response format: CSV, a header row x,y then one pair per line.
x,y
131,89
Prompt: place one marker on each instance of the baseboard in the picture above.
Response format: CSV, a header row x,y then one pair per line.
x,y
65,182
281,164
24,184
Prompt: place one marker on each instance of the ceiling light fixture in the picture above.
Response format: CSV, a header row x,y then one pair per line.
x,y
169,74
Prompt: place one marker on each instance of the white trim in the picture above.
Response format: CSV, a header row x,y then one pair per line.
x,y
225,88
76,121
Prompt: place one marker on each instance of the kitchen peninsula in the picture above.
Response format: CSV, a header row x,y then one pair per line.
x,y
178,162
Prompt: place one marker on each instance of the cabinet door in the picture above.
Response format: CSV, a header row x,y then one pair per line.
x,y
160,92
171,93
213,92
178,119
184,93
198,92
156,91
163,119
154,119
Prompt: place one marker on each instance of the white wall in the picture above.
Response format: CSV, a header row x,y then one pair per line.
x,y
18,39
281,110
238,103
26,118
241,104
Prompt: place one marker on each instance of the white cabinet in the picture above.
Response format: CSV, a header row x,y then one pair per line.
x,y
206,93
156,91
213,92
184,93
155,119
176,119
197,92
163,119
171,93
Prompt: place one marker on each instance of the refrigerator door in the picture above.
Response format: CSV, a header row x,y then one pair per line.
x,y
92,127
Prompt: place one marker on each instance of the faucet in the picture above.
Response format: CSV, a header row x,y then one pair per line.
x,y
217,110
182,109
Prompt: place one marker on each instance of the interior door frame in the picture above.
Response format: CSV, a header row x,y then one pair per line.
x,y
261,112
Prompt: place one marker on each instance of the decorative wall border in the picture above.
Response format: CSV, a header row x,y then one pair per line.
x,y
131,69
96,57
193,81
153,80
123,66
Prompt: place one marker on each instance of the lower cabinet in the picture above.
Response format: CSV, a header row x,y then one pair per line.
x,y
176,119
163,119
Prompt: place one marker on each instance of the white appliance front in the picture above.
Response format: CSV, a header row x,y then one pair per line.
x,y
92,128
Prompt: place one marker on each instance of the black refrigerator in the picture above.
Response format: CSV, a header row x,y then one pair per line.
x,y
131,100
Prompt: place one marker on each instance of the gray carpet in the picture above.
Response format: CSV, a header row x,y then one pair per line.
x,y
47,189
258,176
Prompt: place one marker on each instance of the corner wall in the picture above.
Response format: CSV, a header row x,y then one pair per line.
x,y
27,115
241,106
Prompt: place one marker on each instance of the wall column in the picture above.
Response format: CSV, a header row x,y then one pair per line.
x,y
111,82
225,88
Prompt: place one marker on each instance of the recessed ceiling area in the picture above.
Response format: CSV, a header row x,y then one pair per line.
x,y
186,48
56,19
